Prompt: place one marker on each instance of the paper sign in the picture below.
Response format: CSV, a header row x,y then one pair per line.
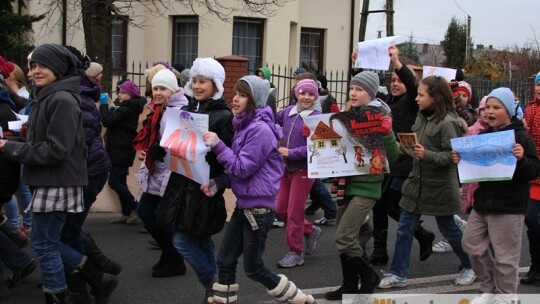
x,y
448,74
408,141
182,139
485,157
15,125
373,54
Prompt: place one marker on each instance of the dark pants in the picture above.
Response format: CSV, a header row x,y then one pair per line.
x,y
532,217
118,182
320,196
388,204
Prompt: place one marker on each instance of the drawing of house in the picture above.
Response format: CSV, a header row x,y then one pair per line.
x,y
325,137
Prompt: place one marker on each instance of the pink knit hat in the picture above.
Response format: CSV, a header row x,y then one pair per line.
x,y
306,85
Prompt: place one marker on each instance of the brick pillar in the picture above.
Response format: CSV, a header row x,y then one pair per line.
x,y
235,68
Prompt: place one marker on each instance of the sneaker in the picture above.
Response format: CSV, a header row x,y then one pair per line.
x,y
277,223
133,218
120,220
465,277
485,298
291,259
391,280
311,240
460,222
441,247
325,221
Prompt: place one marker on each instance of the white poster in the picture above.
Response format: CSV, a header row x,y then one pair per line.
x,y
182,138
448,74
373,54
345,144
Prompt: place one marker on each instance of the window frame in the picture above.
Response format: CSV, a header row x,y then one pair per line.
x,y
320,53
123,60
186,19
261,23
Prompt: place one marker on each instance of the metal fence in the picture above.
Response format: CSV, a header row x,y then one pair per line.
x,y
338,83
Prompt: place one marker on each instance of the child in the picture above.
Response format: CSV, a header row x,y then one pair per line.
x,y
295,186
121,130
254,168
432,187
193,235
499,207
361,192
153,174
462,93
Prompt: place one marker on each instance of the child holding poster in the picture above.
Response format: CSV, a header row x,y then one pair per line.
x,y
362,191
499,207
254,168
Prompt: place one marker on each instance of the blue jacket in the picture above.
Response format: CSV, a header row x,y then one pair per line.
x,y
98,162
253,163
292,123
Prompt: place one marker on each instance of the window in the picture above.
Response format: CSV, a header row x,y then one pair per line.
x,y
321,144
311,49
119,42
333,143
247,41
185,39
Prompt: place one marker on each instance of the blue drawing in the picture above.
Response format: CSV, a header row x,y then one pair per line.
x,y
486,149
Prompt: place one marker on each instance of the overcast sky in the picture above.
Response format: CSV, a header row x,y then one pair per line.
x,y
500,23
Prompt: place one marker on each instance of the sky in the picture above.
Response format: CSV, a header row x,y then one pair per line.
x,y
501,23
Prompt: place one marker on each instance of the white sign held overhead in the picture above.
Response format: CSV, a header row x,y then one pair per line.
x,y
373,54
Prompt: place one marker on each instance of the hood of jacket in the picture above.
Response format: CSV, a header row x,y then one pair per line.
x,y
89,88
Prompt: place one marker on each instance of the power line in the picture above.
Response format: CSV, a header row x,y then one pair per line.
x,y
460,7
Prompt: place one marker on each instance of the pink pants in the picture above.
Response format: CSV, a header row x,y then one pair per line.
x,y
291,202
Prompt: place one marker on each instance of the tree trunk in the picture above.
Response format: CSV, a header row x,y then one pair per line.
x,y
97,20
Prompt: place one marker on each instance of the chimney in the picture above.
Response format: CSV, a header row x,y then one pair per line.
x,y
425,48
491,47
479,46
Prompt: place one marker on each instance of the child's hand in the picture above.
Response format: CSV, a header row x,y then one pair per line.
x,y
386,125
284,151
210,139
518,151
393,52
354,55
305,130
455,157
209,189
419,151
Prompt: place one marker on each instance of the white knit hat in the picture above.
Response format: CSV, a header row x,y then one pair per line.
x,y
207,68
165,78
94,69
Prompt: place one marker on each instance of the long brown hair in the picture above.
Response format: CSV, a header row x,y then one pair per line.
x,y
438,88
242,87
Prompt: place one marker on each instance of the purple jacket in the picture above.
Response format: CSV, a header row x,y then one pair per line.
x,y
292,123
253,163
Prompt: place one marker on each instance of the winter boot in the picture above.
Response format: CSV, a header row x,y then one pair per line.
x,y
13,233
77,292
171,263
425,239
225,293
208,292
97,257
286,291
55,298
350,280
379,256
534,249
369,279
103,284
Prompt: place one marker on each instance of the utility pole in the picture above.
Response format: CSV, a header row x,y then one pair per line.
x,y
468,49
389,18
389,11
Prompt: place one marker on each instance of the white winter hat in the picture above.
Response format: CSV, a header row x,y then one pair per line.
x,y
165,78
207,68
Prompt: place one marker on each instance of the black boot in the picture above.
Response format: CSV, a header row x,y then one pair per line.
x,y
534,249
425,239
369,279
103,284
97,257
379,256
77,292
13,233
171,263
350,280
55,298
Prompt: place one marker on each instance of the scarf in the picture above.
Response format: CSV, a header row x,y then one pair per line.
x,y
149,133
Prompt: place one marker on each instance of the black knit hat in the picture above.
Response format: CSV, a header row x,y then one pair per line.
x,y
57,58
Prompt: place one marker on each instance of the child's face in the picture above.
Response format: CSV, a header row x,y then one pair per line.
x,y
161,94
497,115
396,86
537,90
464,97
424,101
203,88
482,115
306,100
239,103
123,96
41,74
358,96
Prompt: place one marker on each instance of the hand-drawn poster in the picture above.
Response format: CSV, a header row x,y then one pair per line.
x,y
345,144
182,138
485,157
407,141
373,54
448,74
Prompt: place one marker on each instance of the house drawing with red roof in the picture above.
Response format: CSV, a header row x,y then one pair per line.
x,y
325,137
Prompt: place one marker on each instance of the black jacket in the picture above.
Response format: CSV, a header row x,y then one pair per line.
x,y
121,130
510,196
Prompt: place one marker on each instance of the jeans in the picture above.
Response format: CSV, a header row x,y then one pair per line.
x,y
71,233
532,217
12,256
148,208
24,196
240,239
199,252
320,196
11,209
407,222
118,182
51,253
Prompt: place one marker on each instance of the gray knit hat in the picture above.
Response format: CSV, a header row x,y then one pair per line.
x,y
369,81
260,88
57,58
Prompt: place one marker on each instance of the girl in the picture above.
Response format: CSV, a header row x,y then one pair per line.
x,y
432,187
254,168
499,208
295,186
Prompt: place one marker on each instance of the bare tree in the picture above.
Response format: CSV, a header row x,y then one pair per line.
x,y
314,152
342,150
